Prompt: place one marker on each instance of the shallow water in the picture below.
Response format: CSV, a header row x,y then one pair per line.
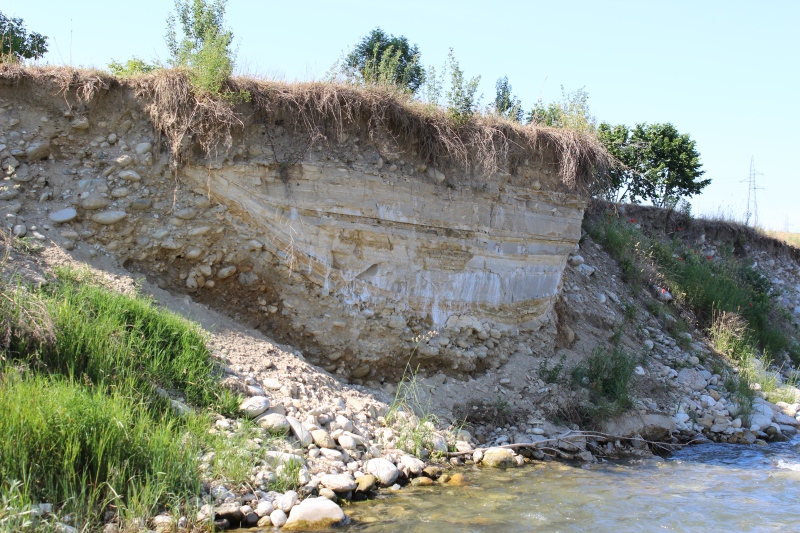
x,y
713,487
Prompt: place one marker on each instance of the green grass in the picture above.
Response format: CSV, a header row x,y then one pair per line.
x,y
410,416
703,284
83,448
83,425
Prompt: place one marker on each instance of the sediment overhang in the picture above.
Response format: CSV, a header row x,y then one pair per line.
x,y
349,222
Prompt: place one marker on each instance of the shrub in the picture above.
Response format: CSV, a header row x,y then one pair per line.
x,y
506,104
608,378
571,112
132,67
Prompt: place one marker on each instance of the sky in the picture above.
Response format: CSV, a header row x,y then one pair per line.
x,y
725,72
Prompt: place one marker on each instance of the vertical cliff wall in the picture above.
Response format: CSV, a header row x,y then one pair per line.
x,y
345,237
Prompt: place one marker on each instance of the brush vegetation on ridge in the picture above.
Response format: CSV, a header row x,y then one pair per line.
x,y
477,147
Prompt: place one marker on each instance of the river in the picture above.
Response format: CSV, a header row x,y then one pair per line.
x,y
709,487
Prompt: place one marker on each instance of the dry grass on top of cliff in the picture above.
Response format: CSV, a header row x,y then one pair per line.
x,y
482,145
477,147
85,84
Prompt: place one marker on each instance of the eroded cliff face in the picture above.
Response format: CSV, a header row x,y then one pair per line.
x,y
348,247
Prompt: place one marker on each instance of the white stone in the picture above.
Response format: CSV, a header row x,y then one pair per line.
x,y
143,148
130,175
383,469
413,464
315,513
331,455
575,260
254,406
497,457
278,518
347,442
274,422
300,433
264,508
339,482
287,501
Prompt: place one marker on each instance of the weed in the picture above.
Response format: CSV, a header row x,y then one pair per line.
x,y
743,396
704,284
607,376
410,412
132,67
552,375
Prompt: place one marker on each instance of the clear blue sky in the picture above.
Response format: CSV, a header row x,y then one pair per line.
x,y
726,72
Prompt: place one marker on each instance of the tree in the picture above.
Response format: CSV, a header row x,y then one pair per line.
x,y
506,104
380,58
17,43
660,164
205,47
461,100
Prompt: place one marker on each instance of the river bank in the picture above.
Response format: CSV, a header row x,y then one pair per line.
x,y
350,442
627,330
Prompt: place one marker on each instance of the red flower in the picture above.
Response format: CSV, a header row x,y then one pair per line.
x,y
633,221
679,228
709,258
751,304
680,259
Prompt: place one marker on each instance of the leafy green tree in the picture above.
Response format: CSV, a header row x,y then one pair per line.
x,y
461,100
383,59
17,43
507,104
661,165
204,48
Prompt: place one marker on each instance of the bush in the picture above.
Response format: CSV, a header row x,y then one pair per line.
x,y
461,100
132,67
571,112
608,378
